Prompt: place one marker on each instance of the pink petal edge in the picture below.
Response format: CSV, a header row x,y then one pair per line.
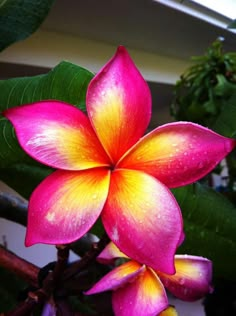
x,y
178,153
119,104
118,277
145,296
65,205
143,219
52,131
192,279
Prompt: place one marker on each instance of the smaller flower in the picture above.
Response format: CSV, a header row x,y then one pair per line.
x,y
170,311
140,290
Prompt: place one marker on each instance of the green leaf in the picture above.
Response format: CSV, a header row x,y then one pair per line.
x,y
20,18
210,227
98,228
32,175
66,82
224,88
225,123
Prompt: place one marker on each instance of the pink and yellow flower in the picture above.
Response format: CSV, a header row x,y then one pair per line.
x,y
139,290
106,167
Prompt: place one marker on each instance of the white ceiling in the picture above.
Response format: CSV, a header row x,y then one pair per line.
x,y
145,25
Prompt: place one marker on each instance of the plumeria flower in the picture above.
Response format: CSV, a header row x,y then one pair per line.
x,y
106,167
140,290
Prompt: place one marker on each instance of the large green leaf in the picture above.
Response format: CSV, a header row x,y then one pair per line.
x,y
66,82
20,18
210,227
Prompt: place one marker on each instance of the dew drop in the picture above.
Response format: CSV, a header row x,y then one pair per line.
x,y
186,291
94,196
200,165
181,281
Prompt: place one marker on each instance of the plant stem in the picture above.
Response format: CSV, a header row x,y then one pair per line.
x,y
13,206
22,268
89,256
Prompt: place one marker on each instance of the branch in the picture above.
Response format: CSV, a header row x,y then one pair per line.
x,y
89,256
13,206
22,268
42,294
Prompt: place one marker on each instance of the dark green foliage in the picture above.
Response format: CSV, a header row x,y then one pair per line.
x,y
206,90
209,225
20,18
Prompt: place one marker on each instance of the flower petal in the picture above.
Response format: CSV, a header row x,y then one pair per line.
x,y
170,311
109,254
192,278
118,277
57,134
119,104
178,153
143,219
145,296
65,205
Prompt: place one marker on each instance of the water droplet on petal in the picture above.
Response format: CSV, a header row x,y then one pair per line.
x,y
181,281
186,291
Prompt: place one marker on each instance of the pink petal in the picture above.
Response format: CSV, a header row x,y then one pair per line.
x,y
143,219
119,104
178,153
57,134
192,278
118,277
145,296
109,254
65,205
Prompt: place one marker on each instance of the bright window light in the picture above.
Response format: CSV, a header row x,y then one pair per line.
x,y
217,12
224,7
